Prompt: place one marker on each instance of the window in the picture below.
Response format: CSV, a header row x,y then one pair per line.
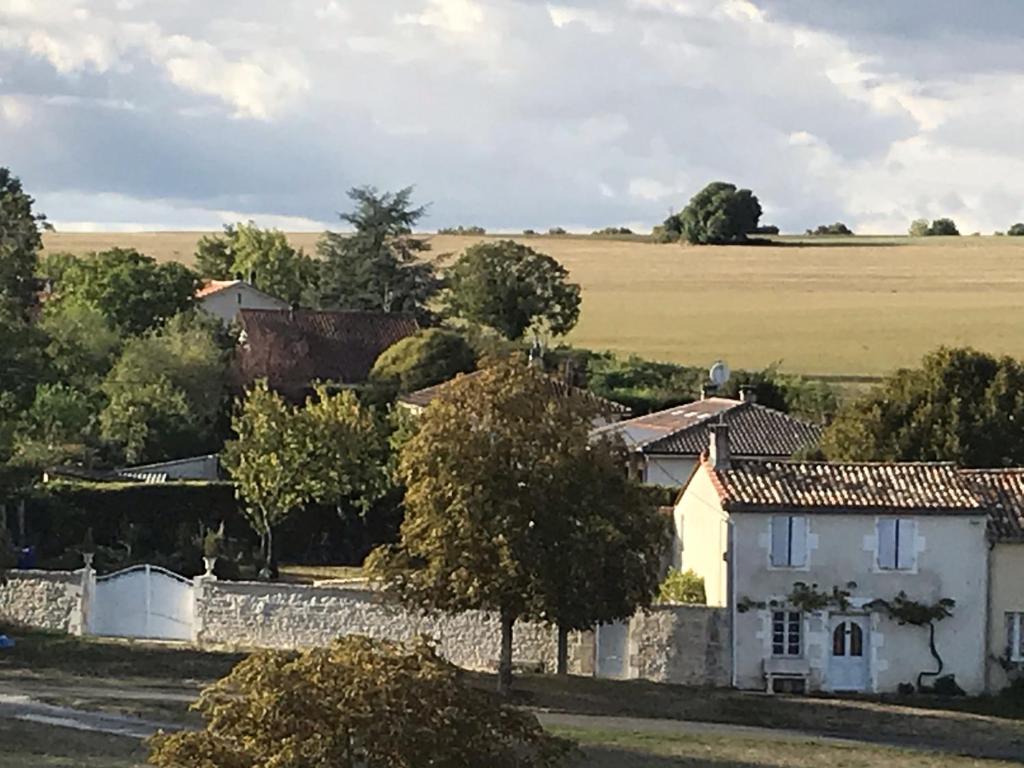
x,y
896,546
1015,636
848,639
789,541
786,632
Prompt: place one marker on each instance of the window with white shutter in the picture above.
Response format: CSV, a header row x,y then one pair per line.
x,y
789,541
1015,636
897,549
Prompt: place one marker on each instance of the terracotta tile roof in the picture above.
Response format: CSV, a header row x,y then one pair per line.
x,y
210,287
685,430
777,486
421,398
1002,493
293,349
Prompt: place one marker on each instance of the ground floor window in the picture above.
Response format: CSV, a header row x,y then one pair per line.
x,y
787,629
1015,636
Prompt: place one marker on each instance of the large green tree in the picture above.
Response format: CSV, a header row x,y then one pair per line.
x,y
961,405
720,214
262,255
381,266
486,524
20,242
512,288
167,392
131,289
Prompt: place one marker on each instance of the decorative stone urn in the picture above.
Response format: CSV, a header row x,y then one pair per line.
x,y
88,557
209,563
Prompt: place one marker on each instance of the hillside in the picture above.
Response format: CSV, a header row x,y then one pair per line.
x,y
844,307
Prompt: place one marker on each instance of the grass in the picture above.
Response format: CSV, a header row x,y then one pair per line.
x,y
308,574
32,745
841,307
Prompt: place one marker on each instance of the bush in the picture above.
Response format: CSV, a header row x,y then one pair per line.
x,y
557,231
831,229
612,231
1017,230
938,228
356,702
529,232
919,228
461,230
426,358
682,588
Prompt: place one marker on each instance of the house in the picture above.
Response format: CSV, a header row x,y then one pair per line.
x,y
205,468
610,411
665,446
1002,492
225,298
292,349
811,559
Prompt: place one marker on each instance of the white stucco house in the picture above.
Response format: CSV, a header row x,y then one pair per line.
x,y
665,446
224,299
757,530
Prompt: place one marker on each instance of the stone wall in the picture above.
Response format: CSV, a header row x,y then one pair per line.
x,y
247,615
42,599
685,644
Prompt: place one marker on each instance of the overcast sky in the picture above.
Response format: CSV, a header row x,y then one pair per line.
x,y
129,114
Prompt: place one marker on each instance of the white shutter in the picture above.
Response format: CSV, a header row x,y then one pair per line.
x,y
908,545
886,543
798,542
780,541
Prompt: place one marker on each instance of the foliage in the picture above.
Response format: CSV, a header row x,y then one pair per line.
x,y
20,242
284,457
167,392
213,542
682,588
719,214
766,229
461,230
22,361
262,256
357,702
511,287
906,611
428,357
8,555
381,266
82,344
132,290
807,597
58,427
1017,230
961,405
921,228
831,229
612,231
557,231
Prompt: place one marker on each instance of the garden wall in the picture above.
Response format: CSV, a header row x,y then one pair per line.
x,y
50,600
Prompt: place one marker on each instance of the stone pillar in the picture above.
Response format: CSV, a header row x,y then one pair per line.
x,y
83,591
201,587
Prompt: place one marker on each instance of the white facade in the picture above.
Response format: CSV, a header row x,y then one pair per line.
x,y
750,564
225,299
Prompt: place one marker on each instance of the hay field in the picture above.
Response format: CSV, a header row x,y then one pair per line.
x,y
845,307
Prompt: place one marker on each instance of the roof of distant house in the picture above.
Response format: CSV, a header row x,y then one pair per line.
x,y
886,488
684,430
421,398
1002,492
292,349
210,287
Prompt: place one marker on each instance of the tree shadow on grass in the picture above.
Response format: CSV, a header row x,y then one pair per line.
x,y
616,757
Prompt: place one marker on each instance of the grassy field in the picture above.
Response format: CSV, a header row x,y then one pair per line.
x,y
843,307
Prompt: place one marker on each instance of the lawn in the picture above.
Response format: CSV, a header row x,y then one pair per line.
x,y
843,307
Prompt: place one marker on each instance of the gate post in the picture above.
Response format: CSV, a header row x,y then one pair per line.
x,y
86,588
200,586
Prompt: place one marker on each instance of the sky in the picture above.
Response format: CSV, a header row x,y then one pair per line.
x,y
148,114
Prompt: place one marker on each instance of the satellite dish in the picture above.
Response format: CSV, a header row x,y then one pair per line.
x,y
719,373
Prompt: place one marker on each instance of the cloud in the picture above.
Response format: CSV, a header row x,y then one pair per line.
x,y
513,113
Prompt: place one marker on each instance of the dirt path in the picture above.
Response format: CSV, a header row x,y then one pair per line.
x,y
19,707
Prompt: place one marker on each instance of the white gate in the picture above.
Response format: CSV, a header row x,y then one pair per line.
x,y
143,601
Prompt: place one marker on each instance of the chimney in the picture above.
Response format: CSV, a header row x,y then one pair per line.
x,y
748,393
291,310
718,452
707,390
252,277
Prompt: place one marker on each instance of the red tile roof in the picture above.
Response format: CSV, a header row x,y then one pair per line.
x,y
819,487
293,349
210,287
1002,492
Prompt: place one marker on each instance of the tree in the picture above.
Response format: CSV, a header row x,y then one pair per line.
x,y
1017,230
720,214
486,474
831,229
20,242
167,392
82,344
58,427
263,256
284,457
919,228
682,588
961,405
358,702
512,288
381,266
943,227
428,357
132,290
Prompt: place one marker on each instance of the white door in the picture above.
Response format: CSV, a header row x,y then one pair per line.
x,y
612,650
143,601
848,664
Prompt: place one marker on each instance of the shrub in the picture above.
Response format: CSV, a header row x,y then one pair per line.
x,y
943,228
426,358
1017,230
831,229
612,231
766,229
358,702
919,228
557,231
529,232
682,587
461,230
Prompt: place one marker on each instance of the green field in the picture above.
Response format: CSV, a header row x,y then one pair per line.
x,y
843,307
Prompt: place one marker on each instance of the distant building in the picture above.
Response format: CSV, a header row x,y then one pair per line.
x,y
205,468
292,349
665,446
224,299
